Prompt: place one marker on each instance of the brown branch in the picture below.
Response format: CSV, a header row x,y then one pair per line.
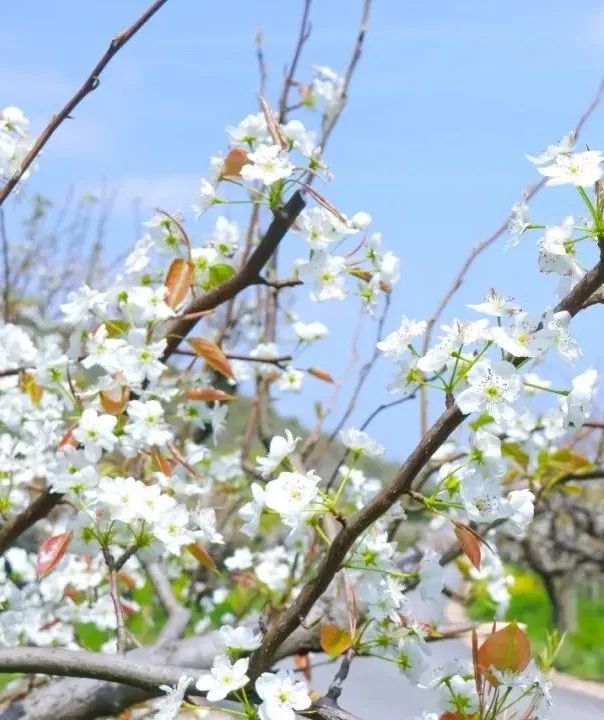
x,y
356,56
304,34
144,668
290,618
36,510
90,84
120,625
248,275
261,64
478,249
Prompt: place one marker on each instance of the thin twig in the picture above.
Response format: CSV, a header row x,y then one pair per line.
x,y
303,35
478,249
120,629
90,84
261,64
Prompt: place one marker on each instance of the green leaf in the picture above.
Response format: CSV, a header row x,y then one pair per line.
x,y
220,273
515,452
481,421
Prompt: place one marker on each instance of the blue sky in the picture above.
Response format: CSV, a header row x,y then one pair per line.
x,y
446,100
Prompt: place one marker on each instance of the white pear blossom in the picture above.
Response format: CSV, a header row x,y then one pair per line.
x,y
564,146
207,197
397,342
280,448
224,678
325,274
317,227
492,388
522,509
580,169
459,694
251,512
557,249
360,443
281,696
168,707
521,338
518,222
83,303
309,332
241,559
327,90
411,659
556,332
291,494
239,638
95,432
496,305
146,423
481,497
291,379
268,163
577,405
251,130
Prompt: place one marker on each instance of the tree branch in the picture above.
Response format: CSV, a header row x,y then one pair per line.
x,y
90,84
248,275
82,698
478,249
290,618
35,511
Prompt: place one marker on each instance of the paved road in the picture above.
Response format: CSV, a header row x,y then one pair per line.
x,y
376,690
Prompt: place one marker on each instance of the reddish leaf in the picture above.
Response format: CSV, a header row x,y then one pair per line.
x,y
233,163
302,662
469,542
50,553
178,281
505,649
212,354
335,640
126,580
68,438
320,374
161,462
202,556
114,402
209,395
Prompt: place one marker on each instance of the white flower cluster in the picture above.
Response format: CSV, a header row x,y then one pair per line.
x,y
14,141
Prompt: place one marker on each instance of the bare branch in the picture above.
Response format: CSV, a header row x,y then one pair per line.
x,y
304,34
90,84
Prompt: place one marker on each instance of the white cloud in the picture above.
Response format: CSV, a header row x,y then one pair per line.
x,y
170,191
